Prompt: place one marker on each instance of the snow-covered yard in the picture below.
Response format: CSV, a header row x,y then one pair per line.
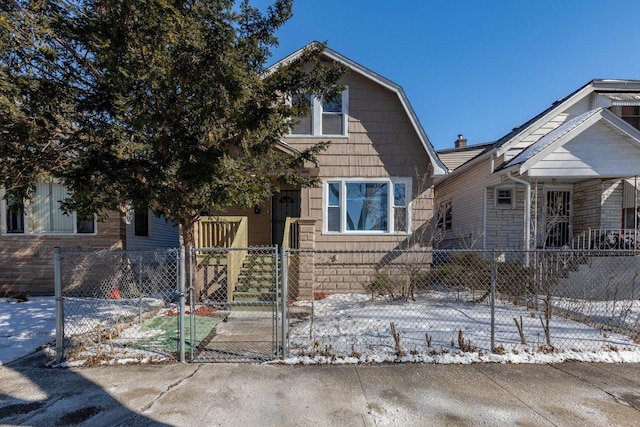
x,y
100,331
344,328
356,328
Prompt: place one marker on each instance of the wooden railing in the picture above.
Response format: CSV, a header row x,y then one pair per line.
x,y
607,238
226,232
222,231
291,237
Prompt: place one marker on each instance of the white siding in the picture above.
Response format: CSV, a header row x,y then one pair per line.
x,y
162,234
598,151
466,192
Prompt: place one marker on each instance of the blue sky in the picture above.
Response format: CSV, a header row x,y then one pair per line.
x,y
475,67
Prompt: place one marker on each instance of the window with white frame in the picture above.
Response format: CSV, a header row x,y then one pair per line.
x,y
42,214
503,197
324,117
367,206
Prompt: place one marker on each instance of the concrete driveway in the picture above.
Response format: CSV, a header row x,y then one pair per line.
x,y
569,394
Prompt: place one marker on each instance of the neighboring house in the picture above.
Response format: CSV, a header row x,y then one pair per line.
x,y
461,153
29,234
145,230
375,177
567,177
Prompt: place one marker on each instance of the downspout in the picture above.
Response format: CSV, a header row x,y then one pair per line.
x,y
635,205
484,218
527,214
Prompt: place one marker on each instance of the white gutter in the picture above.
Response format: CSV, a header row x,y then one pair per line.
x,y
527,214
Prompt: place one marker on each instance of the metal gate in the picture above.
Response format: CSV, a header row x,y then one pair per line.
x,y
234,305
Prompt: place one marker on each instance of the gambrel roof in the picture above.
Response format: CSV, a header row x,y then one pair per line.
x,y
438,167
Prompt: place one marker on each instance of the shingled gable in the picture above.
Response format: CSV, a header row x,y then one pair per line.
x,y
439,168
567,132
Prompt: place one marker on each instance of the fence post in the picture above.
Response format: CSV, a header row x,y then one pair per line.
x,y
192,315
493,299
283,292
57,281
181,283
139,289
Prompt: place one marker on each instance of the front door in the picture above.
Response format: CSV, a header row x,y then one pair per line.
x,y
558,218
285,204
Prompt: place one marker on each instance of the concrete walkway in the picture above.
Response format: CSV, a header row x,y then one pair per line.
x,y
569,394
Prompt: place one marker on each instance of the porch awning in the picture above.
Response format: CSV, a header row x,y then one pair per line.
x,y
631,193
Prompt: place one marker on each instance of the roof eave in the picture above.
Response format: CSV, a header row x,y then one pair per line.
x,y
439,169
561,105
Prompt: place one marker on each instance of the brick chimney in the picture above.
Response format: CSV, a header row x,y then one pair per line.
x,y
461,142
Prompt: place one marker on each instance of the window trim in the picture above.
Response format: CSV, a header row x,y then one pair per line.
x,y
28,226
391,182
317,117
512,197
445,216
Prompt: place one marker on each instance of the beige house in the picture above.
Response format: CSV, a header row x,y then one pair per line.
x,y
375,191
566,178
376,175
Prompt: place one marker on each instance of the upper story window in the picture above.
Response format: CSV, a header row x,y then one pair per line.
x,y
325,117
42,214
367,206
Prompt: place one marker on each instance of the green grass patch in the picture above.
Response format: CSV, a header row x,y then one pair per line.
x,y
167,327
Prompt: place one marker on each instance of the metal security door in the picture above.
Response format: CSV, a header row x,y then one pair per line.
x,y
284,204
558,218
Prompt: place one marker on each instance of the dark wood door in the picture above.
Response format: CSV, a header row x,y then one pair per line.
x,y
284,204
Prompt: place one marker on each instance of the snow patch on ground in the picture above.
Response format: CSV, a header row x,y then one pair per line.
x,y
356,329
347,329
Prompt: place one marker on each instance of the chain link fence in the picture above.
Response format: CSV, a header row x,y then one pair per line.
x,y
389,305
116,306
369,305
235,305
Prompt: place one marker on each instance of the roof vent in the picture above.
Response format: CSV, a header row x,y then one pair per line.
x,y
461,142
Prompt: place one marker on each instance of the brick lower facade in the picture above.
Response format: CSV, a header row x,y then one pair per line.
x,y
26,261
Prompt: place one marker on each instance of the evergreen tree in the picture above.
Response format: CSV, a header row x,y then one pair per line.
x,y
164,104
